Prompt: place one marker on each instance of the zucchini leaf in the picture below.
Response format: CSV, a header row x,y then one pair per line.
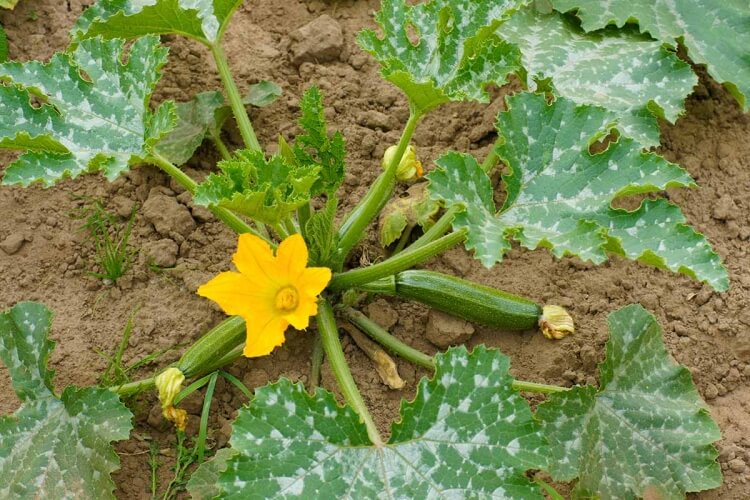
x,y
416,208
644,432
204,116
53,447
560,196
8,4
715,32
202,20
314,147
92,112
621,70
442,50
466,434
264,190
203,482
320,235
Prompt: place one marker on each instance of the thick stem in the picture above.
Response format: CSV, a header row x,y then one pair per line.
x,y
329,334
235,99
224,215
401,262
303,215
438,229
354,225
380,335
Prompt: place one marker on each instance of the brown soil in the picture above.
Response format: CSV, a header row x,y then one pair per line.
x,y
704,330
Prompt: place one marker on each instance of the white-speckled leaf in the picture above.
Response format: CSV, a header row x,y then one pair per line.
x,y
204,115
644,430
93,116
467,434
203,484
442,50
559,195
53,447
618,69
715,32
203,20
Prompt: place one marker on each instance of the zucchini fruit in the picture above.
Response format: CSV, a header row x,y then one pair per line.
x,y
212,347
475,302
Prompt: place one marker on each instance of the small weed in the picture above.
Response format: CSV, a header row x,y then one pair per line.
x,y
116,374
110,237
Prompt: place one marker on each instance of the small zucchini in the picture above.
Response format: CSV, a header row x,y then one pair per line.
x,y
475,302
211,347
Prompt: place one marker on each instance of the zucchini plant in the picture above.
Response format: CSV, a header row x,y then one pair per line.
x,y
644,431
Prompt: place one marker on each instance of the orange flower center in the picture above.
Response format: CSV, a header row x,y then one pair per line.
x,y
287,299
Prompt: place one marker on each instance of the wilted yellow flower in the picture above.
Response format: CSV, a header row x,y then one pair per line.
x,y
409,169
269,292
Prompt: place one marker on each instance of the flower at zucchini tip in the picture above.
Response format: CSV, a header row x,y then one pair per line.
x,y
270,292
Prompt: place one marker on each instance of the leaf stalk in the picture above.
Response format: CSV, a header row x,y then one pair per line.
x,y
235,99
400,262
329,335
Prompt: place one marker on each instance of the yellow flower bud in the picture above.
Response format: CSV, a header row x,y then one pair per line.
x,y
410,167
169,383
556,323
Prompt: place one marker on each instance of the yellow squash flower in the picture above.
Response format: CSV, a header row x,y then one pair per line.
x,y
269,292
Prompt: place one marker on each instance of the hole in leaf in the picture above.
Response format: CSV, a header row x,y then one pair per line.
x,y
412,34
84,76
601,144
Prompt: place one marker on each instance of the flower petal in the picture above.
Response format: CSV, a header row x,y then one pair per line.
x,y
261,341
234,293
313,280
300,317
254,259
291,256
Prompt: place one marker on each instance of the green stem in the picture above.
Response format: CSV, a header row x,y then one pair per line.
x,y
403,240
401,262
381,336
289,225
221,147
133,388
438,229
352,229
491,160
224,215
235,99
317,363
329,335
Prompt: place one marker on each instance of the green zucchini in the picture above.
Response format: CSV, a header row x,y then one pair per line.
x,y
475,302
468,300
213,346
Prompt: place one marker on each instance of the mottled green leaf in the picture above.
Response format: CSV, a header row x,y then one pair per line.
x,y
202,20
644,430
560,196
442,50
203,484
53,447
314,147
467,434
617,69
265,190
204,116
416,208
715,32
8,4
92,115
